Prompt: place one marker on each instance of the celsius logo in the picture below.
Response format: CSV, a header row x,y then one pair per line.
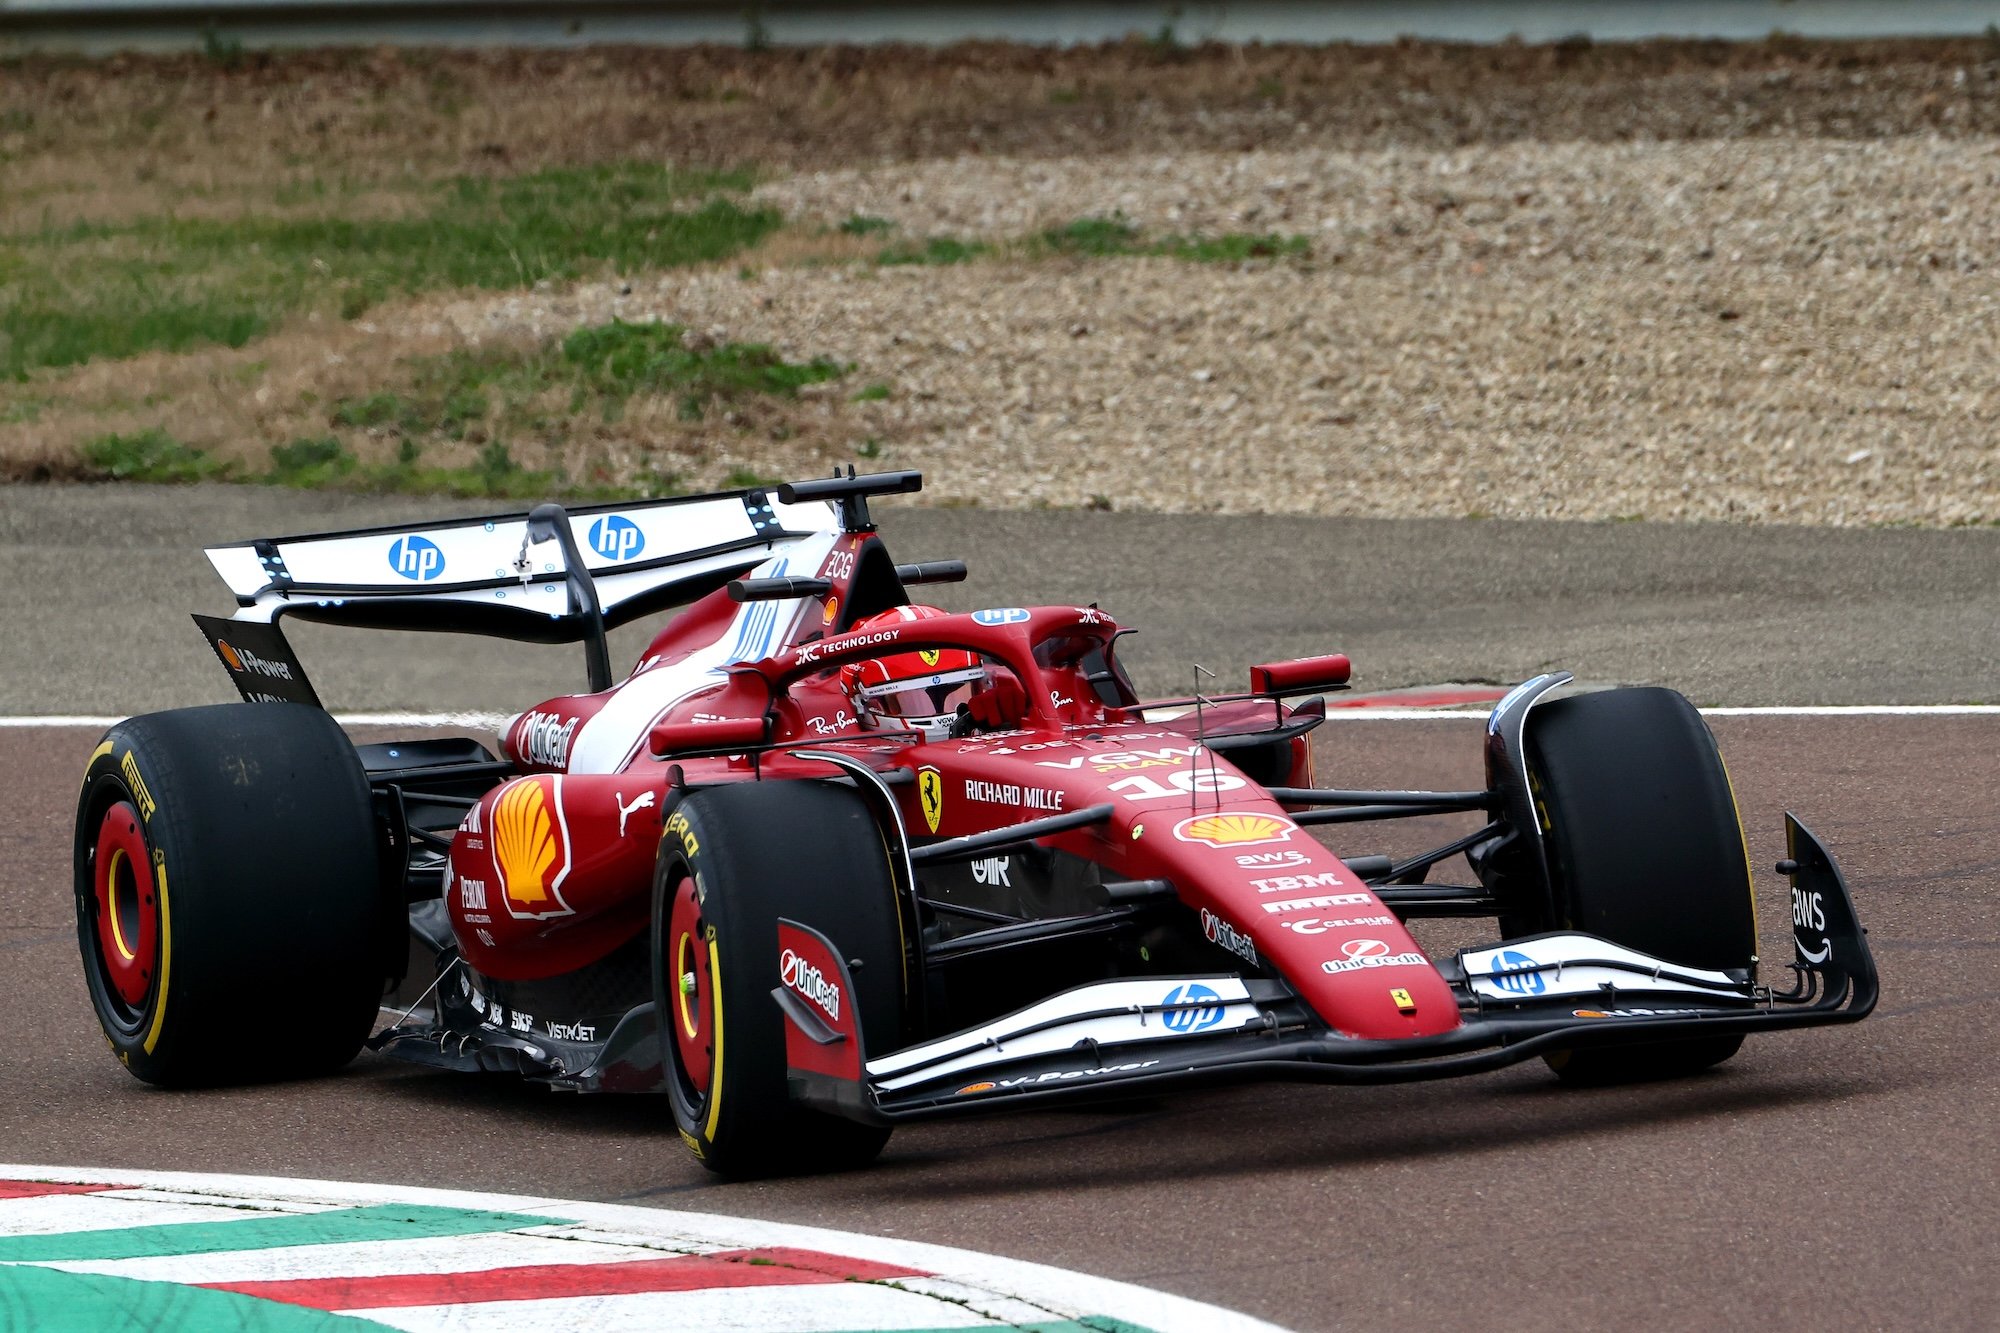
x,y
1516,972
1192,1019
616,538
416,557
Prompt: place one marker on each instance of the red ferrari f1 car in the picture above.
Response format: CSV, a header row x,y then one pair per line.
x,y
825,861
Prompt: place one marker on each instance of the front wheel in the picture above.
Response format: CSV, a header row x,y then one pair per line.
x,y
733,860
1645,849
228,900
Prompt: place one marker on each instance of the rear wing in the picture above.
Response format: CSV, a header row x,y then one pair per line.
x,y
484,575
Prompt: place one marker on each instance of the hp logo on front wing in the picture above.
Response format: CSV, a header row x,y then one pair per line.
x,y
1192,1019
1518,973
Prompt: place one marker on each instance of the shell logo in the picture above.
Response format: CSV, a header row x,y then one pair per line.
x,y
1238,830
531,848
976,1087
229,655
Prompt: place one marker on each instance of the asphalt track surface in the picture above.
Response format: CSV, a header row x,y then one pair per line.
x,y
1837,1176
98,580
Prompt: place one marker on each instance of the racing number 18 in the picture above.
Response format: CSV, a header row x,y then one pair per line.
x,y
1183,783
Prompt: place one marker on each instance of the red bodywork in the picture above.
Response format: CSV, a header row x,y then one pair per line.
x,y
553,871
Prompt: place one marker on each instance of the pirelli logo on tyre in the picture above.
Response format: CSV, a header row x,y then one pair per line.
x,y
531,847
129,767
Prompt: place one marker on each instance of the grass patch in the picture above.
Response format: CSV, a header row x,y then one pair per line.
x,y
311,463
862,224
936,250
150,455
874,393
316,463
550,396
1235,247
617,360
87,291
1100,237
1094,236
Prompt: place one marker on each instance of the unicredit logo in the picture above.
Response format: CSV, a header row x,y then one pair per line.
x,y
810,982
1360,954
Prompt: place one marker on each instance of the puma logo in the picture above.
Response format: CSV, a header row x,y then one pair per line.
x,y
625,812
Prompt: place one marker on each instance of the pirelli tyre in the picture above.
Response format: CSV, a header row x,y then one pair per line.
x,y
228,901
732,861
1645,848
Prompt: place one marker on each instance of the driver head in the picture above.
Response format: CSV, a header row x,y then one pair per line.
x,y
916,691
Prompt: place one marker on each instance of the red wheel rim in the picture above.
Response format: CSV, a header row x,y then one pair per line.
x,y
693,1014
128,907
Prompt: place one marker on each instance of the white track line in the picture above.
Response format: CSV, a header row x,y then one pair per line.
x,y
477,721
492,721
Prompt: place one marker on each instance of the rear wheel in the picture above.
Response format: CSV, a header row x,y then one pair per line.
x,y
1646,849
733,860
228,901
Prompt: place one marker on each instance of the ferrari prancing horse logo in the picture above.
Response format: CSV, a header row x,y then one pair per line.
x,y
930,795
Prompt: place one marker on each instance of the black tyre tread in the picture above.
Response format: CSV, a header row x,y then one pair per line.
x,y
1646,849
811,853
1644,840
1643,1063
264,820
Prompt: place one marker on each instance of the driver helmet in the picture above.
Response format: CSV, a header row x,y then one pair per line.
x,y
919,690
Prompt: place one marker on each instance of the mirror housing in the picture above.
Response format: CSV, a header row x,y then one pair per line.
x,y
1301,674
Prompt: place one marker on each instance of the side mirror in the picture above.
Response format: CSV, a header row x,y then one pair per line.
x,y
1301,674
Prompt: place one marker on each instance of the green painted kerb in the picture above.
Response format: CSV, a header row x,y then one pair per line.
x,y
264,1231
49,1300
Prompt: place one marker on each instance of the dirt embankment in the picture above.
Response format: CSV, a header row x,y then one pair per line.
x,y
1661,280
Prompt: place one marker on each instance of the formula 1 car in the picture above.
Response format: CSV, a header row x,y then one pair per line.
x,y
825,862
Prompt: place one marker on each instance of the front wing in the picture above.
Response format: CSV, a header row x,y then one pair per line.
x,y
1519,1000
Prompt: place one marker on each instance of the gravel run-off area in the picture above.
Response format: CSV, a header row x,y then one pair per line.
x,y
1788,329
1694,280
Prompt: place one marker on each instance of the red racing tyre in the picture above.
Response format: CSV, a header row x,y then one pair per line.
x,y
228,899
732,861
1646,849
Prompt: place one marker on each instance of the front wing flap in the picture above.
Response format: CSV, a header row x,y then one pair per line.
x,y
1556,992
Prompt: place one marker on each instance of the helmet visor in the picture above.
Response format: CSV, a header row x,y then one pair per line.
x,y
925,698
